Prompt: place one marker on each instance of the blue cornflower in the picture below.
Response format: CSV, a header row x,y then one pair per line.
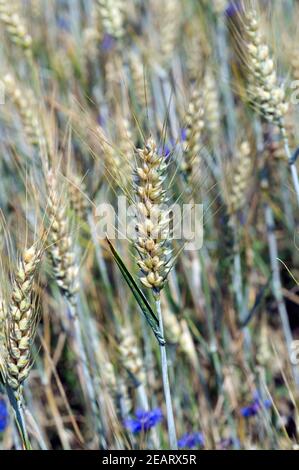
x,y
233,8
190,441
183,134
165,150
63,23
144,420
108,43
255,406
100,120
250,410
3,415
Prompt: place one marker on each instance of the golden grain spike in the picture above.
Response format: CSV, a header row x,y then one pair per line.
x,y
194,128
112,17
211,103
21,320
240,179
15,25
265,91
169,28
26,107
63,258
152,227
130,356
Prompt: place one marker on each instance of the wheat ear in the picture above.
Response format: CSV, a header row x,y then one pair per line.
x,y
21,321
112,17
170,16
152,230
264,87
15,26
20,330
66,270
211,102
63,258
140,81
26,107
194,128
78,202
239,179
130,356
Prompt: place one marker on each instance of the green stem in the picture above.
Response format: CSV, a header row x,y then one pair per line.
x,y
17,406
166,387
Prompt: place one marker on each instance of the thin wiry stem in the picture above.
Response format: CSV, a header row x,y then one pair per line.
x,y
292,166
238,285
86,376
166,387
277,286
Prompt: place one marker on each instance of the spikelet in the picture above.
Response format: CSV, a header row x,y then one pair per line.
x,y
264,89
187,343
15,25
140,82
152,227
26,107
92,35
2,321
239,179
36,8
78,202
108,378
195,57
126,152
91,41
130,356
63,258
172,326
211,103
112,17
113,77
21,321
170,15
264,353
114,161
194,128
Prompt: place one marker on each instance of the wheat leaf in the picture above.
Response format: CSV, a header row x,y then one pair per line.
x,y
147,310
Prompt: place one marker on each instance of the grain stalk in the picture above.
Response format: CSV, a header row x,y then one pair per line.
x,y
152,230
238,183
20,330
66,271
274,257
